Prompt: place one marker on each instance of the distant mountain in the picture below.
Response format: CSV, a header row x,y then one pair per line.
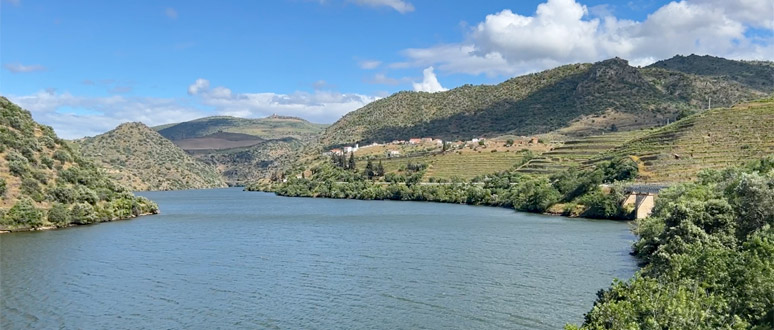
x,y
142,159
754,74
577,99
243,150
273,127
45,182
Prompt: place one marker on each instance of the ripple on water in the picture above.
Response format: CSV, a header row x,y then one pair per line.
x,y
229,259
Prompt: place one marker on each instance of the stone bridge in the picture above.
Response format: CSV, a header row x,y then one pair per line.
x,y
643,197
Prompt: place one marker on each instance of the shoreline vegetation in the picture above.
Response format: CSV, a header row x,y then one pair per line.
x,y
707,251
596,193
52,227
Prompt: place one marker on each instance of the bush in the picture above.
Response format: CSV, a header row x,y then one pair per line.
x,y
59,215
25,214
3,187
535,195
83,213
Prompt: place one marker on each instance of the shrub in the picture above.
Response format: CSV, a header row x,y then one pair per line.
x,y
25,214
59,215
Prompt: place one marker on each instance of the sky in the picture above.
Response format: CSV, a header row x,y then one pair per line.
x,y
84,67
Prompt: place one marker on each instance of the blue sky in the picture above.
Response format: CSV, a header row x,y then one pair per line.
x,y
86,66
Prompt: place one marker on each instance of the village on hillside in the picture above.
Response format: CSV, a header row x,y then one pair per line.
x,y
428,145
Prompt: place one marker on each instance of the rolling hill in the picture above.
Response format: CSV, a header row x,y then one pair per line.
x,y
44,182
717,138
223,132
575,100
142,159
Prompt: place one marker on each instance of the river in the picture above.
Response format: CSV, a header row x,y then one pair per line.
x,y
229,259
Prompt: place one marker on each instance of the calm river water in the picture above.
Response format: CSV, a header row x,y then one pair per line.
x,y
230,259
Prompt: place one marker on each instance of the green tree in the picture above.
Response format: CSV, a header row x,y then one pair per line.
x,y
59,215
25,214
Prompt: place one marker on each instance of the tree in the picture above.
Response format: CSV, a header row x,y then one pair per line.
x,y
3,187
351,164
59,215
369,170
24,213
380,169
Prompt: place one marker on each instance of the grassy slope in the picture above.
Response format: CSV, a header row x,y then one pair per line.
x,y
142,159
588,98
717,138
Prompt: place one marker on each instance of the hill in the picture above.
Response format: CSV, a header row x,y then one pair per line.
x,y
755,74
576,100
717,138
46,183
242,165
245,130
142,159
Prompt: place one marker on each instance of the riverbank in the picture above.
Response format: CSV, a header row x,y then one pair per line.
x,y
53,227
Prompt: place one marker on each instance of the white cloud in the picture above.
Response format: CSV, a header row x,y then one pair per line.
x,y
198,86
369,65
74,116
429,83
399,5
564,31
319,106
21,68
171,13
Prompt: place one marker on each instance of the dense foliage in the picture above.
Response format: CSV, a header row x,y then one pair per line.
x,y
141,159
44,182
336,179
544,102
708,251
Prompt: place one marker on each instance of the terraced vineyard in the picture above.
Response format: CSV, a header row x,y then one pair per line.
x,y
577,152
717,138
465,165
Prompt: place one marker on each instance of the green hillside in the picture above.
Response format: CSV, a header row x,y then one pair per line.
x,y
142,159
46,183
718,138
579,99
756,74
273,127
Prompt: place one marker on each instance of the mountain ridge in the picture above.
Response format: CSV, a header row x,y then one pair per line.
x,y
544,102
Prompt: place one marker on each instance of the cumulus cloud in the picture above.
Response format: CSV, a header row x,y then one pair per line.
x,y
198,86
319,106
429,83
565,31
76,116
399,5
21,68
